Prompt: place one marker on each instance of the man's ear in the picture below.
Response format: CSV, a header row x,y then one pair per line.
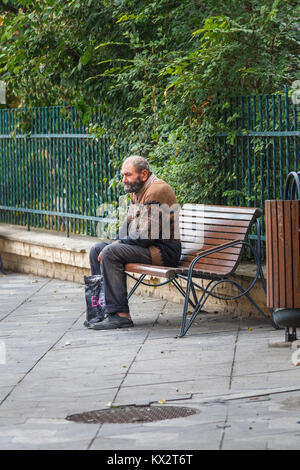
x,y
144,175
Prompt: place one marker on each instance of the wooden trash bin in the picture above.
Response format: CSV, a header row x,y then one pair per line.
x,y
283,257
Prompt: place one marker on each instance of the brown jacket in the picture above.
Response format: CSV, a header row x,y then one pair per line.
x,y
152,222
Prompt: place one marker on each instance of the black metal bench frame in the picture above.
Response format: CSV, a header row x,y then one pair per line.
x,y
198,301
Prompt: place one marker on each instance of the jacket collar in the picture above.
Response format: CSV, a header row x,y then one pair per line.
x,y
146,185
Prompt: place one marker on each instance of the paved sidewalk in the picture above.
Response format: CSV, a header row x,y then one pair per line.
x,y
246,391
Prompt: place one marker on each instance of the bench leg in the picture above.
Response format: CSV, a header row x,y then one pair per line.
x,y
180,289
136,285
206,293
197,308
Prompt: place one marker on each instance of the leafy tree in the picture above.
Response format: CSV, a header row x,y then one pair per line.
x,y
158,68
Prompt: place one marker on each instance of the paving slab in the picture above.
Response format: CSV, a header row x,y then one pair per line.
x,y
246,392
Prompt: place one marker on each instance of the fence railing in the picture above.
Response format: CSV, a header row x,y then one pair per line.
x,y
54,172
260,145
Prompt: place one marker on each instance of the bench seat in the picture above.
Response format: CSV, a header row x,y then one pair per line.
x,y
212,239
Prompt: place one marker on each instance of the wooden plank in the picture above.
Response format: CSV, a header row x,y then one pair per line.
x,y
227,222
213,241
296,252
275,254
200,247
191,225
288,268
226,228
269,254
211,261
219,215
186,234
219,255
246,210
216,228
150,269
207,267
281,254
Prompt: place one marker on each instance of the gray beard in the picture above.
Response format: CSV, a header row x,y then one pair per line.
x,y
133,187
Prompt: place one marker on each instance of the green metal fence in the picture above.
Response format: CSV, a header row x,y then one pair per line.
x,y
54,172
259,146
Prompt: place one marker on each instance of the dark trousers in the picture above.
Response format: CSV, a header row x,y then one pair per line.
x,y
113,260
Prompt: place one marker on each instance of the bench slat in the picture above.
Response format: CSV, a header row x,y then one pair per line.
x,y
232,209
219,255
159,271
215,228
208,261
212,221
218,215
190,235
215,241
197,247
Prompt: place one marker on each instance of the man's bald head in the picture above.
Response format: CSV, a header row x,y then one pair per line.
x,y
139,163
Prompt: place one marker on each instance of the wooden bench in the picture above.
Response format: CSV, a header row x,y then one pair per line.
x,y
213,238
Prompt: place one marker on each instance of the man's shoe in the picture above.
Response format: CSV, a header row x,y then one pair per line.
x,y
92,321
112,322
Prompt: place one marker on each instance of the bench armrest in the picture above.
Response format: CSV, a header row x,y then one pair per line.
x,y
216,249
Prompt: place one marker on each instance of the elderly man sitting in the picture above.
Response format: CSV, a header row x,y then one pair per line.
x,y
148,236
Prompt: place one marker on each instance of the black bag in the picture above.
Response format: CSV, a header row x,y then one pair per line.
x,y
95,301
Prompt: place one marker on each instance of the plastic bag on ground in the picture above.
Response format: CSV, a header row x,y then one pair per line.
x,y
95,300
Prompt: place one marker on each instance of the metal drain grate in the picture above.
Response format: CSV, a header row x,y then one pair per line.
x,y
132,414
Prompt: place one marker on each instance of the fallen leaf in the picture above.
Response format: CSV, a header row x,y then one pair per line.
x,y
161,401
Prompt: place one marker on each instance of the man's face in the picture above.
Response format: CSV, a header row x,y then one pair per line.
x,y
132,180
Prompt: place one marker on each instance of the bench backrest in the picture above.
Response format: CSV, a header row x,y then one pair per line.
x,y
203,227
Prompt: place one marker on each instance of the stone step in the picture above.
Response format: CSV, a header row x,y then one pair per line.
x,y
54,255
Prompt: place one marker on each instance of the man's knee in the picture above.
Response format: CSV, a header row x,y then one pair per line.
x,y
111,251
96,250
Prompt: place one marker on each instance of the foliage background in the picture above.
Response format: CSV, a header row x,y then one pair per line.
x,y
157,68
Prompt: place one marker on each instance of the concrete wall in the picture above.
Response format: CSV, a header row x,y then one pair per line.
x,y
50,254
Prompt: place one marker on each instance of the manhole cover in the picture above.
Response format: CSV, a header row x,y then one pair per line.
x,y
132,414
